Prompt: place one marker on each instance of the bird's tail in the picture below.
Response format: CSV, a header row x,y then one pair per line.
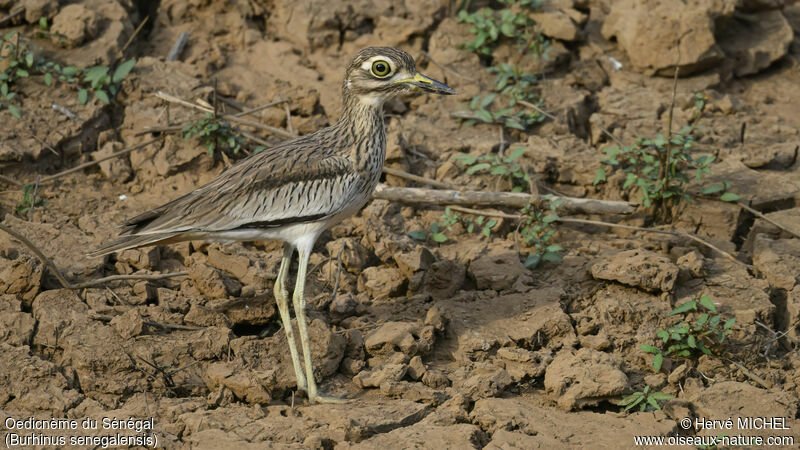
x,y
133,241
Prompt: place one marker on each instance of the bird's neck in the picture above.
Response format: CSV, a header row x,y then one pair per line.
x,y
361,125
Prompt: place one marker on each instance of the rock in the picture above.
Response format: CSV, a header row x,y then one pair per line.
x,y
453,410
441,281
246,384
523,422
777,156
738,293
343,305
408,338
754,44
16,327
523,364
415,368
679,373
496,272
599,342
115,169
55,311
410,262
416,392
327,348
211,282
460,436
32,384
74,25
557,23
584,378
435,379
691,265
356,422
145,258
381,283
354,255
778,260
656,381
377,376
250,311
735,399
201,316
484,381
236,265
435,318
20,275
639,268
650,33
129,324
36,9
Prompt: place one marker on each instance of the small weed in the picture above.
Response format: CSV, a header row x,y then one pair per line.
x,y
511,84
213,133
645,400
686,341
449,219
537,229
659,168
23,62
496,165
28,201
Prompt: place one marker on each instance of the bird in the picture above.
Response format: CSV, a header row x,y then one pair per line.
x,y
294,191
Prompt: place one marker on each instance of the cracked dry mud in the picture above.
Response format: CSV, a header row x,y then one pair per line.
x,y
453,345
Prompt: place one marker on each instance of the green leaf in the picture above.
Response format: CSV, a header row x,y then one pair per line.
x,y
69,71
649,349
652,402
658,361
532,260
102,96
419,235
14,111
48,79
122,71
22,73
478,167
707,303
551,257
83,96
29,59
729,323
599,176
713,189
550,218
661,396
663,335
519,151
439,237
466,159
484,115
554,248
688,306
691,341
729,197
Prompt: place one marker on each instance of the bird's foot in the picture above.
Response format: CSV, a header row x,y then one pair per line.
x,y
324,398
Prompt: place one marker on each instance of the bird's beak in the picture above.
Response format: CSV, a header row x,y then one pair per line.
x,y
420,81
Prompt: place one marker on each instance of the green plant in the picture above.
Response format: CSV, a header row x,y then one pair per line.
x,y
104,82
450,219
645,400
29,201
511,84
659,168
506,166
5,100
213,133
537,229
684,340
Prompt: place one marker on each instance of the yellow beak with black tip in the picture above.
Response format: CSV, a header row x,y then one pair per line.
x,y
424,83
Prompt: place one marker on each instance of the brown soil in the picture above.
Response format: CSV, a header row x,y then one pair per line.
x,y
455,345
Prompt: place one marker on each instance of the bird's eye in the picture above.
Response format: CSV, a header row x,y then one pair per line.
x,y
381,69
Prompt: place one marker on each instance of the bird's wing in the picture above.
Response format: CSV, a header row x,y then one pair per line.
x,y
278,186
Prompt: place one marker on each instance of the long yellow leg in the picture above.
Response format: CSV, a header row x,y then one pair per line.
x,y
282,298
303,252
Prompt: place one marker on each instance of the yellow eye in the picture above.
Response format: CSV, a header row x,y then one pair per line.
x,y
381,68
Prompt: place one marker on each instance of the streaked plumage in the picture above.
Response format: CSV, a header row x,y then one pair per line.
x,y
294,191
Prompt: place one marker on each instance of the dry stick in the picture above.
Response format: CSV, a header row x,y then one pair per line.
x,y
178,46
418,179
447,69
760,215
44,259
289,127
258,108
510,199
12,16
760,381
105,318
678,233
232,118
98,161
133,36
10,181
157,276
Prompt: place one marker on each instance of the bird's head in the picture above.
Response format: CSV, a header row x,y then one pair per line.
x,y
379,73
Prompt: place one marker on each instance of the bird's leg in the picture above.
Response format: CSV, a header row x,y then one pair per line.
x,y
282,298
304,251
